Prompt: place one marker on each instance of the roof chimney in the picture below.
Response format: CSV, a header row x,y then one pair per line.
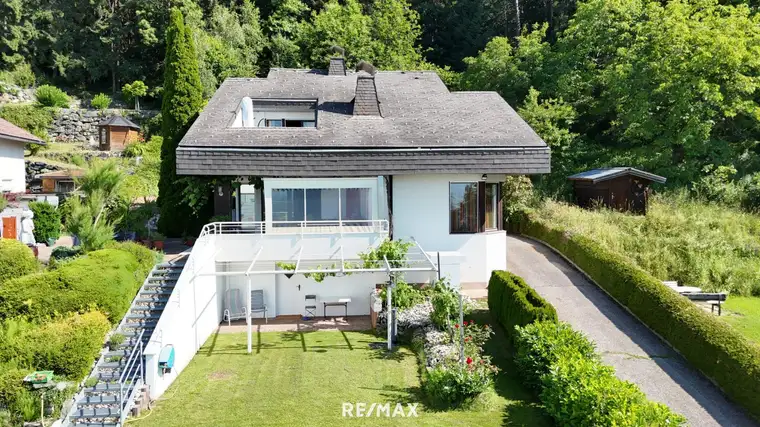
x,y
337,62
365,100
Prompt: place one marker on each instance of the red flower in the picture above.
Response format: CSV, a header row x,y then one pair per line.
x,y
464,323
457,326
469,361
466,339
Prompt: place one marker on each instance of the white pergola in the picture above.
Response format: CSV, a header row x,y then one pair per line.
x,y
416,260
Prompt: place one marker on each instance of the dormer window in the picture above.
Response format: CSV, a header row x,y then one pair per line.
x,y
276,113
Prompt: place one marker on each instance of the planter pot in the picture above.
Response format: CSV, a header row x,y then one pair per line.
x,y
158,245
145,242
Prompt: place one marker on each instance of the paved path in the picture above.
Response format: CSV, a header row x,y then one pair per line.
x,y
636,353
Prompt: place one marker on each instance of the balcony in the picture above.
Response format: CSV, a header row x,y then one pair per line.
x,y
297,228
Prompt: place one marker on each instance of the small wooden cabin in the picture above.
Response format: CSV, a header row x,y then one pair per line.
x,y
114,133
61,181
624,189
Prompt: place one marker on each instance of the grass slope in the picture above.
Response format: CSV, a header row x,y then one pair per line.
x,y
302,379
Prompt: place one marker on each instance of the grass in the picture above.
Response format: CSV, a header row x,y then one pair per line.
x,y
302,379
697,244
743,313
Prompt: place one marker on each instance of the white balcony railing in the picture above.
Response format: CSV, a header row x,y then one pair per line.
x,y
301,228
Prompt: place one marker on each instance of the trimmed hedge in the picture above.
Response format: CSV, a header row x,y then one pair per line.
x,y
712,346
47,221
107,279
16,260
515,303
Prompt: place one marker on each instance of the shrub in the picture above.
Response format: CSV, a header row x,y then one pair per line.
x,y
107,278
445,306
515,303
16,260
29,117
539,345
101,101
712,346
51,96
404,296
47,221
135,149
751,199
3,202
453,384
21,75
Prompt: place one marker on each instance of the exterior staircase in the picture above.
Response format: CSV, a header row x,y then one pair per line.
x,y
120,371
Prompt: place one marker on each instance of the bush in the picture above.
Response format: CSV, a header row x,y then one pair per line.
x,y
515,303
51,96
101,101
29,117
107,279
47,221
453,384
21,75
539,345
16,260
445,306
751,199
135,149
404,296
709,344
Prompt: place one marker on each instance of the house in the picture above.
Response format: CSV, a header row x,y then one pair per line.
x,y
342,161
116,132
12,167
621,188
60,181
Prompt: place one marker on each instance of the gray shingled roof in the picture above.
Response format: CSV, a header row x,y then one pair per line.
x,y
118,121
418,112
603,174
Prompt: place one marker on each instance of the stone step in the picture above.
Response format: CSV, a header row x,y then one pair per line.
x,y
155,300
144,315
106,387
84,424
156,292
97,399
97,413
121,352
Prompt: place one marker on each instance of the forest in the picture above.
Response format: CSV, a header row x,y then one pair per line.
x,y
668,86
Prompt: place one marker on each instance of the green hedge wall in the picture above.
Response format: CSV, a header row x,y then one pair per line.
x,y
16,260
107,279
47,221
515,303
710,345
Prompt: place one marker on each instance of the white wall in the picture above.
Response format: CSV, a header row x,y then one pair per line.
x,y
12,169
421,210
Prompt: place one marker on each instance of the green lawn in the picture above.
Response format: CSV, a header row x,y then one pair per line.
x,y
743,313
302,379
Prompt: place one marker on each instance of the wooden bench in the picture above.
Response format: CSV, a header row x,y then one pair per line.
x,y
714,299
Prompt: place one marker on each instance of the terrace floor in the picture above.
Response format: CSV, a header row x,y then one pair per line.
x,y
296,324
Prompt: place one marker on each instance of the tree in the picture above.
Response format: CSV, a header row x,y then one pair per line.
x,y
395,32
337,24
182,101
134,91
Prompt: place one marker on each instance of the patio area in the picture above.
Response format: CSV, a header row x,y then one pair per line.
x,y
297,324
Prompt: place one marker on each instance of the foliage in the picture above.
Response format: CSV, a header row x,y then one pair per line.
x,y
63,254
16,260
392,250
3,203
47,221
181,103
104,177
516,195
101,101
21,75
539,345
51,96
452,384
475,337
514,303
134,149
32,118
404,295
79,285
717,186
445,302
86,221
143,182
134,91
751,199
709,344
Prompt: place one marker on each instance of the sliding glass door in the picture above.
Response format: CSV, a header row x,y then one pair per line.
x,y
321,206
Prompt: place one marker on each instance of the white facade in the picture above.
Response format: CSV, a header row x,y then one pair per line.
x,y
12,169
421,210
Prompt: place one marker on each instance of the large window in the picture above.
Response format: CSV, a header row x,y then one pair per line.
x,y
473,207
321,205
463,207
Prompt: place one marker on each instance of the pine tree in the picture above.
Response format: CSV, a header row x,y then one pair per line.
x,y
182,100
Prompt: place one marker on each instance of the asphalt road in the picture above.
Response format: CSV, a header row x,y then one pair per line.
x,y
637,354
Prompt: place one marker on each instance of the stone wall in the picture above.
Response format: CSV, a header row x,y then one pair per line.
x,y
81,125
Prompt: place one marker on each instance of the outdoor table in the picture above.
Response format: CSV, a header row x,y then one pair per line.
x,y
336,303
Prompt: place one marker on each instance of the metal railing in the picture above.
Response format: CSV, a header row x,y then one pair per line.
x,y
130,376
301,228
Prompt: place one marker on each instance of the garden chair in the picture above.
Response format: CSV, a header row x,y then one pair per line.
x,y
233,309
257,303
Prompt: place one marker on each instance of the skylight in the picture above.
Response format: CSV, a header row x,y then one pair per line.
x,y
276,113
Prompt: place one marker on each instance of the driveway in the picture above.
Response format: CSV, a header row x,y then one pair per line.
x,y
636,353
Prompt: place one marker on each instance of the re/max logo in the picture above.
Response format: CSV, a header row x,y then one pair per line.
x,y
364,410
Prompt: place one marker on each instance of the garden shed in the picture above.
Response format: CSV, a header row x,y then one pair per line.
x,y
621,188
114,133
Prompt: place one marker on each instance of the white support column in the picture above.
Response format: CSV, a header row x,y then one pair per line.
x,y
248,317
389,313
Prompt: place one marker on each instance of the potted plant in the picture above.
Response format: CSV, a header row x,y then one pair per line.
x,y
158,241
188,239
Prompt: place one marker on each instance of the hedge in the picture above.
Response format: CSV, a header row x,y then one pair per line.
x,y
515,303
712,346
16,260
107,279
47,221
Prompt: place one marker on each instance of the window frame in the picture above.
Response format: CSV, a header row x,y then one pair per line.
x,y
481,207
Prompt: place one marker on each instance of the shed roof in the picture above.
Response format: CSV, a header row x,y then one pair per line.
x,y
63,174
14,133
604,174
119,121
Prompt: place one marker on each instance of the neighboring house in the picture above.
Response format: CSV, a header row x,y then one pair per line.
x,y
60,181
343,160
116,132
12,168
